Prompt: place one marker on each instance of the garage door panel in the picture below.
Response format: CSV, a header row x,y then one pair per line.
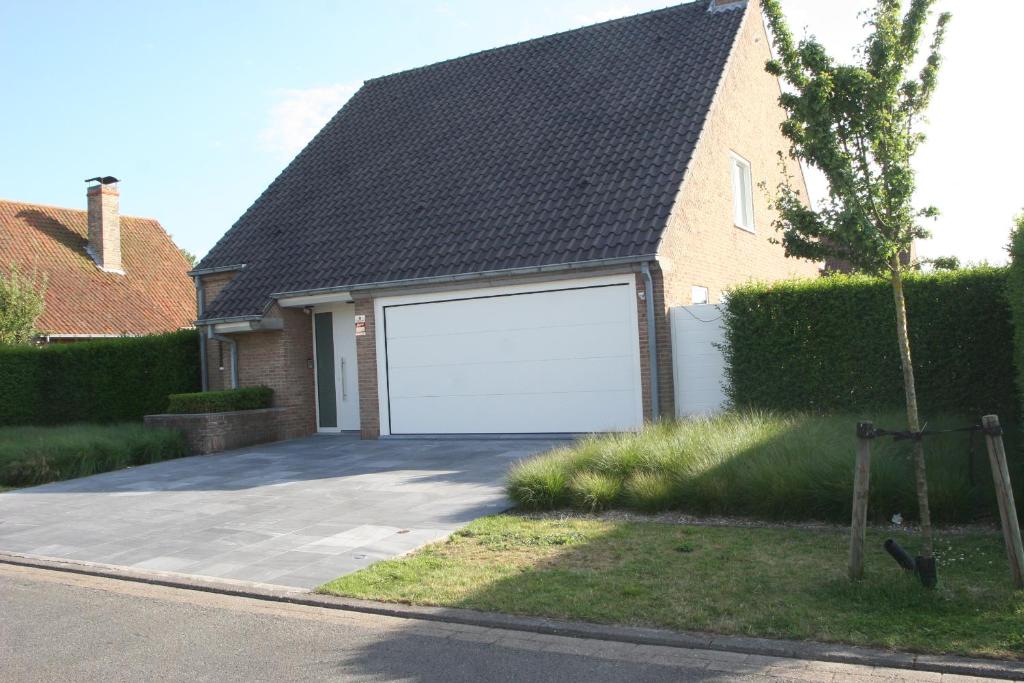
x,y
561,308
596,340
579,375
508,414
564,360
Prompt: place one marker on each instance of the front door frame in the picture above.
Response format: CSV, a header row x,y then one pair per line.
x,y
346,372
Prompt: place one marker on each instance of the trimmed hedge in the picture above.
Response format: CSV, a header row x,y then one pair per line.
x,y
830,344
1015,296
109,380
247,398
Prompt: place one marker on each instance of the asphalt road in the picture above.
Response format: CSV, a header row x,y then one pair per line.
x,y
57,626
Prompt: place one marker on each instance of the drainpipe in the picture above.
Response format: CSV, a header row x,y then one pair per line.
x,y
652,339
200,310
234,352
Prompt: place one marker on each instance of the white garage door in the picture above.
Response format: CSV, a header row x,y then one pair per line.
x,y
564,360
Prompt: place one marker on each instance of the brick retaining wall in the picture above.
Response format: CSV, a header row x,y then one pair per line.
x,y
215,432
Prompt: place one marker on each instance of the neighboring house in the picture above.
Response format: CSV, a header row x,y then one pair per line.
x,y
475,246
107,275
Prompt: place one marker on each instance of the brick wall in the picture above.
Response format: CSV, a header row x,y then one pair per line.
x,y
215,432
366,360
701,246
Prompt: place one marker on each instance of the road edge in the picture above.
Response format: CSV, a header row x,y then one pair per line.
x,y
807,650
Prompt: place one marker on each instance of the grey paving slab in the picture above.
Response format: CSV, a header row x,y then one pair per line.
x,y
295,513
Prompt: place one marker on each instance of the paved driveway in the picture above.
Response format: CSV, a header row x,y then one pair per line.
x,y
295,513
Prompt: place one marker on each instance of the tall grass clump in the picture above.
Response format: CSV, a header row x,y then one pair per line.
x,y
38,455
760,464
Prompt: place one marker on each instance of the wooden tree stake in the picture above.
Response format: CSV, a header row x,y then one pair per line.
x,y
861,480
1004,495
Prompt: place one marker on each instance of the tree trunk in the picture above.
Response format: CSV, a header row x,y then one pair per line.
x,y
913,422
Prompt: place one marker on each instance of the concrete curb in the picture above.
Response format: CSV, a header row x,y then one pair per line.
x,y
824,652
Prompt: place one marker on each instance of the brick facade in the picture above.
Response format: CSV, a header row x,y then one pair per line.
x,y
366,360
280,359
701,246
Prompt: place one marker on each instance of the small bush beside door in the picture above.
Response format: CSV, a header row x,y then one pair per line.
x,y
247,398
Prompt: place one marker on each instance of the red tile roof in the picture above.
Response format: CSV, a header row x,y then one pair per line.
x,y
154,295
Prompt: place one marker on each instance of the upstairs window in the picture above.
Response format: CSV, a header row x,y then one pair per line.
x,y
742,193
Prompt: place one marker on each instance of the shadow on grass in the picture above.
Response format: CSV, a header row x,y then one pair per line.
x,y
778,583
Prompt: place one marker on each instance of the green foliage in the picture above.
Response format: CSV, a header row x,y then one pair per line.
x,y
856,124
110,380
828,344
22,299
944,263
246,398
758,464
37,455
1015,296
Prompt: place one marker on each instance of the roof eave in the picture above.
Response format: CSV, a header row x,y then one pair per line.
x,y
463,277
216,269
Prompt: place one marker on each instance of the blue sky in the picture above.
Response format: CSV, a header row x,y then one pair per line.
x,y
197,106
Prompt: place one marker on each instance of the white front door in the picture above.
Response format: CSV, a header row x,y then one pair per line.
x,y
337,379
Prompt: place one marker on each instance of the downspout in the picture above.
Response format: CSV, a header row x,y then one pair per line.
x,y
200,310
234,352
652,340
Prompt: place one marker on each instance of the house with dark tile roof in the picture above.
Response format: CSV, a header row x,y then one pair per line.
x,y
491,244
107,275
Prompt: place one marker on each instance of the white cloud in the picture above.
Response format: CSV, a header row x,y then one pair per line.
x,y
299,114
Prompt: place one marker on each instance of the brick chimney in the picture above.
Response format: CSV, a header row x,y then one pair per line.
x,y
105,224
718,5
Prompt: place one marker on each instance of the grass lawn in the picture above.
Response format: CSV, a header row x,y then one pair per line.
x,y
764,465
37,455
775,582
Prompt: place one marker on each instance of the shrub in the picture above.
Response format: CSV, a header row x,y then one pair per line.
x,y
830,344
768,465
37,455
109,380
247,398
1015,296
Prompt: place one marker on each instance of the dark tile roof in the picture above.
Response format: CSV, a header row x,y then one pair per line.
x,y
154,294
563,149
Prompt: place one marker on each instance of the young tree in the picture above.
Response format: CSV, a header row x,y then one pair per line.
x,y
21,304
858,124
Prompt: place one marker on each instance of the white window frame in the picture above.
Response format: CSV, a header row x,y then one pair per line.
x,y
742,192
698,292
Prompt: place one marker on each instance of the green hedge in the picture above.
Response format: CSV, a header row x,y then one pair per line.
x,y
1015,296
830,344
248,398
110,380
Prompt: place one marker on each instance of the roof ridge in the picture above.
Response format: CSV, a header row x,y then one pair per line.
x,y
538,39
66,208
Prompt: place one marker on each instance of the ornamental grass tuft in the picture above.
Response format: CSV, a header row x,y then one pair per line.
x,y
760,464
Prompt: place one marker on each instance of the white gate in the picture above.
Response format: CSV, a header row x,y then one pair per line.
x,y
698,365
